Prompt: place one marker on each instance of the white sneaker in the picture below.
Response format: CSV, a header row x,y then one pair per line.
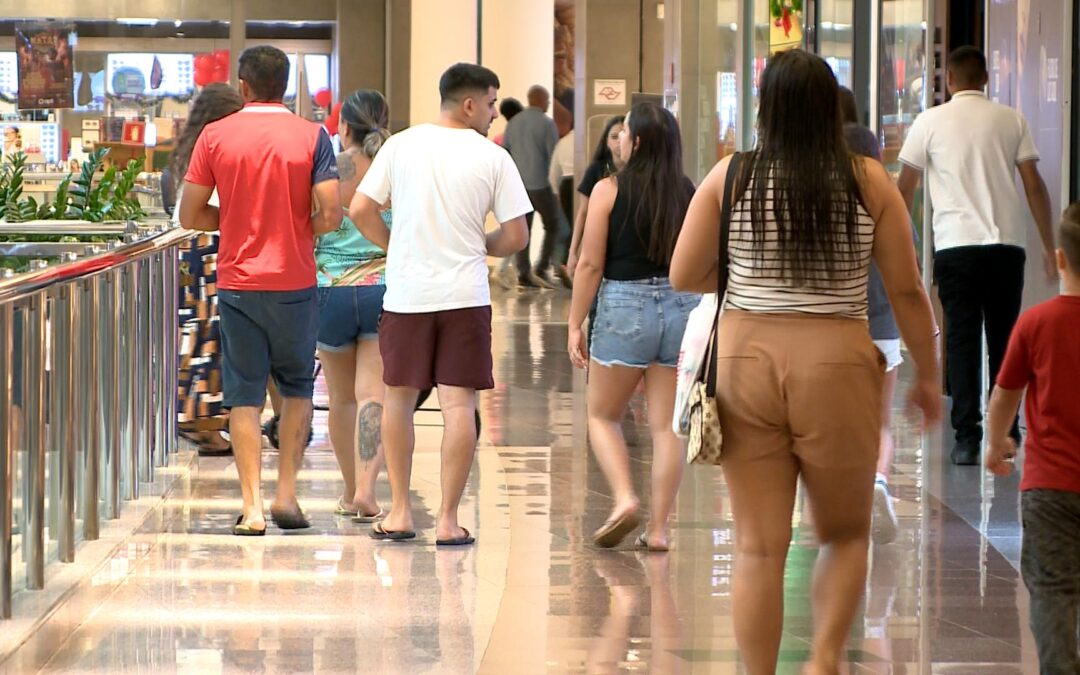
x,y
884,526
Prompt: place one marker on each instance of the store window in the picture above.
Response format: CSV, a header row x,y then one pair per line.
x,y
835,34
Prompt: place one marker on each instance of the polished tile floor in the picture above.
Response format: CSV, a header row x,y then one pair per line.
x,y
533,596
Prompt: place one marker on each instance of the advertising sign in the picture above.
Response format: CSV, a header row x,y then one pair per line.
x,y
45,56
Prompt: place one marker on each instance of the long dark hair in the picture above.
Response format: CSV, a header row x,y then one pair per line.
x,y
367,115
815,183
653,178
603,155
216,101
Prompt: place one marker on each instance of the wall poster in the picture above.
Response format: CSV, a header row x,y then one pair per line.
x,y
45,58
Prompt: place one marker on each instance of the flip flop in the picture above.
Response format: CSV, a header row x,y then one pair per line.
x,y
380,533
242,530
369,518
290,520
344,512
643,544
464,540
612,532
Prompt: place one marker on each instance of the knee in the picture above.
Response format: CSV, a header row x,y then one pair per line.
x,y
761,549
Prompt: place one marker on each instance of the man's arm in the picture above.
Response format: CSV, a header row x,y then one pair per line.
x,y
908,183
364,212
1038,198
195,210
511,237
327,217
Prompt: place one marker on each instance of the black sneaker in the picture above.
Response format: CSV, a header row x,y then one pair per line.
x,y
527,281
966,453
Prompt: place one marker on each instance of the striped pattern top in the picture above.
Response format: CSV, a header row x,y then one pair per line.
x,y
756,284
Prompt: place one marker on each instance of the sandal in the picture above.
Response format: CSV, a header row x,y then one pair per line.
x,y
344,511
612,532
290,520
241,529
205,448
642,543
369,518
380,533
464,540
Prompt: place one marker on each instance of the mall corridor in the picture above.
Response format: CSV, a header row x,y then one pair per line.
x,y
533,596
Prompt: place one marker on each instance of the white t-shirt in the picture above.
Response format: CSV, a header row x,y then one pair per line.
x,y
969,148
442,183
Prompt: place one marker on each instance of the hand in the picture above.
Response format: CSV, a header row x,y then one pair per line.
x,y
1050,263
579,352
571,264
999,456
925,397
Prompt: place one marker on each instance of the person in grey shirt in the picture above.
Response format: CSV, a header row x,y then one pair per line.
x,y
531,137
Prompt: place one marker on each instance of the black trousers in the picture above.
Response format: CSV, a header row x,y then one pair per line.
x,y
981,289
544,203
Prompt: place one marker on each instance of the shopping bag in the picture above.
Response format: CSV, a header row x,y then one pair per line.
x,y
695,343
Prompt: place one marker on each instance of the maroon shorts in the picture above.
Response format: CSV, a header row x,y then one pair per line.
x,y
452,348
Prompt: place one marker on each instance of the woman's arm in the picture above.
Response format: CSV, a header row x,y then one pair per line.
x,y
575,238
590,267
696,259
894,253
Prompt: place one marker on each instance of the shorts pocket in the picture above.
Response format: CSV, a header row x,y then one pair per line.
x,y
621,316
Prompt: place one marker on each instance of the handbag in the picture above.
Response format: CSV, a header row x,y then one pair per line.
x,y
706,438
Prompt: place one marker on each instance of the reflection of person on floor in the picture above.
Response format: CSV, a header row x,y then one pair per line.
x,y
798,379
633,222
880,593
971,150
444,179
266,268
351,288
883,332
1044,359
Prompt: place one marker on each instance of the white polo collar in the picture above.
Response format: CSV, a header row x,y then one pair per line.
x,y
969,93
265,108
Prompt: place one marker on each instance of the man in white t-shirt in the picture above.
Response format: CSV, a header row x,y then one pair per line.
x,y
442,179
971,149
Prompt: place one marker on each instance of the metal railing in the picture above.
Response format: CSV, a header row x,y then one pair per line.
x,y
88,382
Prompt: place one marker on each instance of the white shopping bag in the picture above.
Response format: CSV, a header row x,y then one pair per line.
x,y
695,344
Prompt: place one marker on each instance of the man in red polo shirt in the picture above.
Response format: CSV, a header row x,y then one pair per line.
x,y
265,163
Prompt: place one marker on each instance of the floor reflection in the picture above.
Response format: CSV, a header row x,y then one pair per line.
x,y
532,596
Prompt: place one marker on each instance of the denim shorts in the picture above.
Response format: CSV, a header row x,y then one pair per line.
x,y
348,314
266,333
639,323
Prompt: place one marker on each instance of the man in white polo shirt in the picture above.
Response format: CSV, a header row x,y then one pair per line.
x,y
970,149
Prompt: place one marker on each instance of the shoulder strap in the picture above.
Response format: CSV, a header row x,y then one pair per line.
x,y
722,270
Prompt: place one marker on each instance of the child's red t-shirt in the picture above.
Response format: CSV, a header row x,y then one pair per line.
x,y
1044,356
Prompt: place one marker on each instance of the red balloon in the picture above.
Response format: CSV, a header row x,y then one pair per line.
x,y
333,120
222,58
204,62
220,74
323,98
203,77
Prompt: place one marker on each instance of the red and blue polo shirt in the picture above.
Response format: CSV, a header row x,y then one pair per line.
x,y
264,161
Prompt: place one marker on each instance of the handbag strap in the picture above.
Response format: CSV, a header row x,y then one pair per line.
x,y
722,270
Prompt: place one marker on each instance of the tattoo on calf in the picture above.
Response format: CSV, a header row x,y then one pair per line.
x,y
370,431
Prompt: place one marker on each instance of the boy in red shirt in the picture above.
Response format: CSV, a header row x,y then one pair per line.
x,y
1044,358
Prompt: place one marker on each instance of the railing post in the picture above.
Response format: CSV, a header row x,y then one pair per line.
x,y
89,427
7,455
143,383
129,470
158,332
61,412
34,420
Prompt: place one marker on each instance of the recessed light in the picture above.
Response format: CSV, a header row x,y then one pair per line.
x,y
137,21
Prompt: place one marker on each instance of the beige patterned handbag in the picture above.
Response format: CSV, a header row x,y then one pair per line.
x,y
706,442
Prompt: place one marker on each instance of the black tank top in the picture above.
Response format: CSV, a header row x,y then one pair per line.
x,y
628,237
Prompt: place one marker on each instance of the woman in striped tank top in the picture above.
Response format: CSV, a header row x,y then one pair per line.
x,y
798,378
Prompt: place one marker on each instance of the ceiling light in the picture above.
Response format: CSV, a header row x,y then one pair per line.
x,y
137,21
178,23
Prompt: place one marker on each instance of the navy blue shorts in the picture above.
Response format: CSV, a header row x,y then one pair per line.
x,y
266,333
348,314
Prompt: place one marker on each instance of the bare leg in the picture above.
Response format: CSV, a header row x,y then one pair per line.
x,y
841,500
762,499
399,439
275,397
247,449
295,423
458,449
370,393
669,453
608,392
339,367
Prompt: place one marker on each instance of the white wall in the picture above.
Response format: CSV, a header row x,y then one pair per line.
x,y
519,45
443,33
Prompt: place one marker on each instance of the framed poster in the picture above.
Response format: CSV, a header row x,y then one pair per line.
x,y
45,64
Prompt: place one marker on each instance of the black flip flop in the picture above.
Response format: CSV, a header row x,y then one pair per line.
x,y
290,520
242,530
464,540
380,533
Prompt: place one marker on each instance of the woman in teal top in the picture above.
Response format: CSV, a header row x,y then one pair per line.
x,y
351,280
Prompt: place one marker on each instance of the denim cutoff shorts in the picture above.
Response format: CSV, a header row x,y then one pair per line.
x,y
639,323
348,314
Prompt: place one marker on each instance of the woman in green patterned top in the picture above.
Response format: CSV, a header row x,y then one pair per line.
x,y
351,287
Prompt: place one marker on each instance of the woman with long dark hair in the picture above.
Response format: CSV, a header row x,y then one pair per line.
x,y
606,161
202,418
630,232
351,275
799,381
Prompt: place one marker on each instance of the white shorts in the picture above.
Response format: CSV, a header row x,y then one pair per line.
x,y
890,349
